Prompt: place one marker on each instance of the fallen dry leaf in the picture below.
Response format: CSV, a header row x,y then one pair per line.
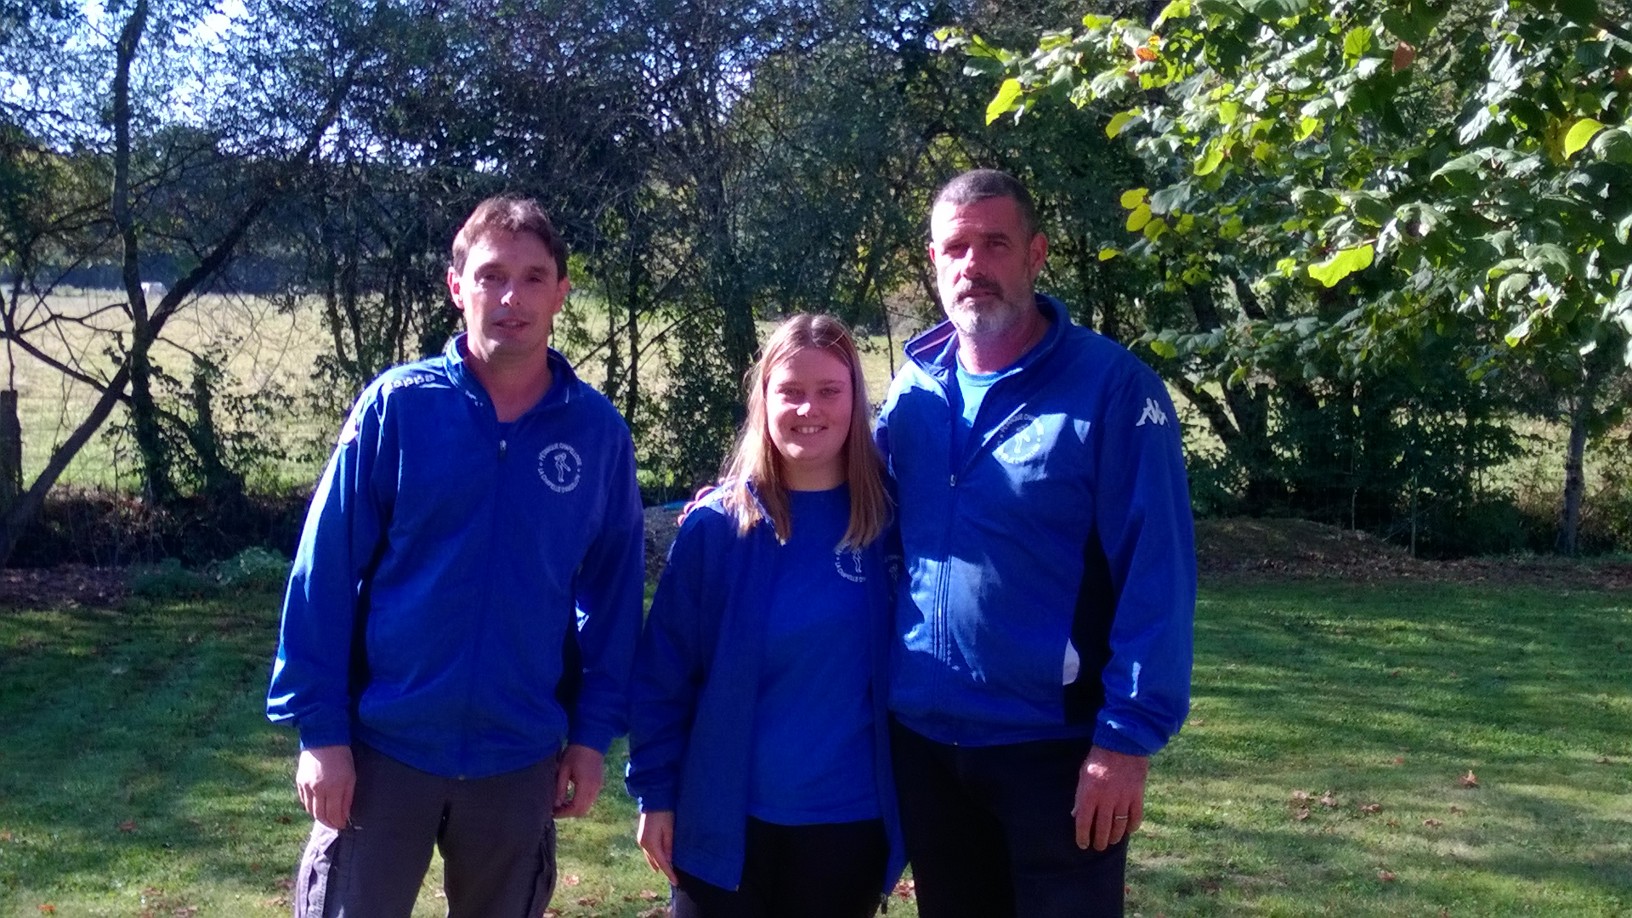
x,y
1372,808
1432,823
571,879
128,825
1328,800
650,895
1387,876
1301,814
1469,779
905,889
589,901
5,835
47,908
1399,760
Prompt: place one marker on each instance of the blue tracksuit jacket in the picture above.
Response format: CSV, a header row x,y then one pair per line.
x,y
693,692
452,575
1050,567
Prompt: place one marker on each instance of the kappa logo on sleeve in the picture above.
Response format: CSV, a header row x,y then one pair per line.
x,y
560,466
1153,414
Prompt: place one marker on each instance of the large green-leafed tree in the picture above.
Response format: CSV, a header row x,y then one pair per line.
x,y
1341,188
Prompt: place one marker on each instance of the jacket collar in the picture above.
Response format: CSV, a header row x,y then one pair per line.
x,y
563,385
936,350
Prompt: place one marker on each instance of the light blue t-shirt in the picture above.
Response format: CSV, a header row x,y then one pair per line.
x,y
813,754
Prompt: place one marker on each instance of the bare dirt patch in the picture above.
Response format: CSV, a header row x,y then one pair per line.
x,y
64,586
1287,549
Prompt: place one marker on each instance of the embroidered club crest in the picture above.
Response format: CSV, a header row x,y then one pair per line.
x,y
560,466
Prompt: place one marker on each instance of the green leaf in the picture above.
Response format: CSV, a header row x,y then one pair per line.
x,y
1355,45
1343,263
1371,211
1581,12
1463,171
1138,218
1107,253
1178,9
1163,348
1613,146
1306,127
1118,122
1515,336
1133,197
1211,159
1512,285
1580,134
1274,9
1007,95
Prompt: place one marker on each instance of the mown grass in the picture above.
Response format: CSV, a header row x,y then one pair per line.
x,y
138,777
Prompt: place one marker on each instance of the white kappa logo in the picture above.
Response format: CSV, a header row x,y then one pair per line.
x,y
1022,438
560,467
848,564
1153,414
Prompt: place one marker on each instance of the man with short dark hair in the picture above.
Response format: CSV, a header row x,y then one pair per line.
x,y
1044,625
464,604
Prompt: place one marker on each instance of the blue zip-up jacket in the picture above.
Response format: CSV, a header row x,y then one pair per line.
x,y
693,693
1050,568
454,576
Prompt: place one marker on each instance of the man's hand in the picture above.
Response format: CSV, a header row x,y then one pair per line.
x,y
656,837
1110,797
578,781
326,780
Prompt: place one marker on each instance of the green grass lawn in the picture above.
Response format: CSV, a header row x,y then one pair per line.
x,y
1415,749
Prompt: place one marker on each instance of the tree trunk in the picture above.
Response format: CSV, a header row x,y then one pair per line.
x,y
11,451
24,510
1575,479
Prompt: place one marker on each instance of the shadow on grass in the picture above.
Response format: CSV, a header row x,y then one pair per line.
x,y
138,761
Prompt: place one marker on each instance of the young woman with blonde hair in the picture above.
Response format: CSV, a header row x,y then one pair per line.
x,y
758,733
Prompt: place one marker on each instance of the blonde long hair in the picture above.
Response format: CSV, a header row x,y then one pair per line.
x,y
755,464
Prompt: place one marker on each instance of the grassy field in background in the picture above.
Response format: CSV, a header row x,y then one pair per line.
x,y
1355,750
264,349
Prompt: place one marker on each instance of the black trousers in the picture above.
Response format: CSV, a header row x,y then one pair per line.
x,y
830,870
990,834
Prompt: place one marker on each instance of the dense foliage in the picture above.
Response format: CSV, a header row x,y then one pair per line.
x,y
1363,240
1394,225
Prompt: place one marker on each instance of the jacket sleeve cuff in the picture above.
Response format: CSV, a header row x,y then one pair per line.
x,y
656,801
1107,736
317,735
598,739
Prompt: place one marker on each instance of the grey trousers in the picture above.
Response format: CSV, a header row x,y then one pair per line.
x,y
496,835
